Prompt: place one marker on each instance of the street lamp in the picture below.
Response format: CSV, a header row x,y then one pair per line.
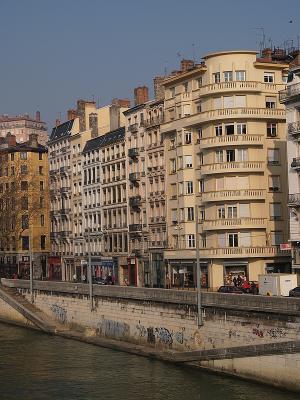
x,y
199,294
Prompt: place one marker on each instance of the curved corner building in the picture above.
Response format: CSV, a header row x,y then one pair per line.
x,y
225,147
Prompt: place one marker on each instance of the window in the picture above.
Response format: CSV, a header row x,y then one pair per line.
x,y
12,156
240,75
41,169
273,156
190,213
199,134
201,185
242,155
274,183
269,77
218,103
228,102
216,77
219,183
25,242
285,79
219,156
276,238
271,129
240,101
201,214
41,186
25,221
24,203
270,102
188,161
172,92
229,129
199,82
172,165
199,107
23,155
186,110
241,129
40,156
232,212
186,87
189,187
201,158
24,169
42,220
41,202
203,240
188,137
218,130
181,214
227,76
230,155
180,162
221,212
191,240
233,240
174,216
275,211
180,187
24,185
43,242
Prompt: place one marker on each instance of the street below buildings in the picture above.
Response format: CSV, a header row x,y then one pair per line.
x,y
37,366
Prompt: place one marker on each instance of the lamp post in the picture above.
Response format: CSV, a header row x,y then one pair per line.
x,y
89,271
30,246
199,294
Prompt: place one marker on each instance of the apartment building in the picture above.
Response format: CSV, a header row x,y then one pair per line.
x,y
24,207
146,192
21,126
226,182
105,204
290,97
69,236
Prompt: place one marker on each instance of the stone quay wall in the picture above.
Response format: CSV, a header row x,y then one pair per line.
x,y
166,320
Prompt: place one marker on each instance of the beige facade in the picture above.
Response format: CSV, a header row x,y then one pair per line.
x,y
291,99
225,147
146,194
75,212
22,126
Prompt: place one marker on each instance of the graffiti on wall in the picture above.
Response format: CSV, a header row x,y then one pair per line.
x,y
276,333
59,312
111,328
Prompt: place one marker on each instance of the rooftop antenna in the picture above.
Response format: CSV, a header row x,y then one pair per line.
x,y
262,42
165,71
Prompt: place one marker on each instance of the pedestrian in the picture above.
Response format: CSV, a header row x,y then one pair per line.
x,y
234,281
239,281
83,278
168,282
75,277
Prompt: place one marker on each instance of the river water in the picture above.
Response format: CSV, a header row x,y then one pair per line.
x,y
35,366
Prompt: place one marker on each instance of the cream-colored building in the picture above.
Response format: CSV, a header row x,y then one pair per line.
x,y
225,147
70,233
146,194
291,98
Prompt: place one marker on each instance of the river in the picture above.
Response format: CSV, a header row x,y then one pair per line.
x,y
36,366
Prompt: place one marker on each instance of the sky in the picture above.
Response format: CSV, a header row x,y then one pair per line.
x,y
54,52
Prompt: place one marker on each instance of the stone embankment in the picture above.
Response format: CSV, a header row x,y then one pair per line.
x,y
249,336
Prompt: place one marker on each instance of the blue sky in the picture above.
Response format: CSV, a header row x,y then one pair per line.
x,y
56,51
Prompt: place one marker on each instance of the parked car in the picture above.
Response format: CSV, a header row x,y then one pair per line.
x,y
295,292
99,281
230,289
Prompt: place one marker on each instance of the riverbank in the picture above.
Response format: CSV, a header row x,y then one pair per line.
x,y
253,338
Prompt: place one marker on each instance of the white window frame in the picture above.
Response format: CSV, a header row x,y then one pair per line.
x,y
269,77
228,76
240,75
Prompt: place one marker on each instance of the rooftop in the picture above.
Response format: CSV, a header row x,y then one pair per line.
x,y
62,130
105,140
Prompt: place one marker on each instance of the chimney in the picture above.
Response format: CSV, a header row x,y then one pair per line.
x,y
93,124
10,139
33,140
267,54
57,122
122,103
141,95
186,65
71,114
159,90
38,116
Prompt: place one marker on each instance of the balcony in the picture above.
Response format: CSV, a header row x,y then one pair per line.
x,y
149,123
237,252
234,166
294,128
64,170
245,140
296,163
228,195
133,153
135,201
289,93
135,228
65,234
234,223
134,176
294,200
133,128
229,113
65,189
54,235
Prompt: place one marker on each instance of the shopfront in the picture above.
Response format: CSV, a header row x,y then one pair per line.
x,y
54,268
183,273
235,269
